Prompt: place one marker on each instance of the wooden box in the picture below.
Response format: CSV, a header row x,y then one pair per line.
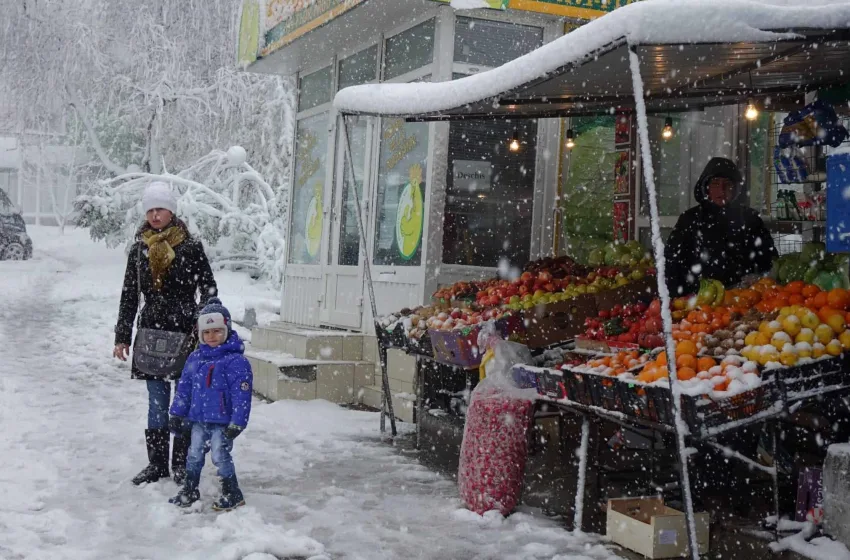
x,y
644,290
648,527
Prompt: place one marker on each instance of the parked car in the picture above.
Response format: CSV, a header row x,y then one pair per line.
x,y
15,244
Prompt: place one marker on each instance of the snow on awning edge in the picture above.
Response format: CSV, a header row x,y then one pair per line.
x,y
650,22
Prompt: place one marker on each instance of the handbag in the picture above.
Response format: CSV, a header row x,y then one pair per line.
x,y
159,353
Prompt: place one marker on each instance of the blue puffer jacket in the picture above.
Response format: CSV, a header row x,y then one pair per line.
x,y
216,384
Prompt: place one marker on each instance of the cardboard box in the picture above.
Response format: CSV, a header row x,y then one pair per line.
x,y
648,527
557,322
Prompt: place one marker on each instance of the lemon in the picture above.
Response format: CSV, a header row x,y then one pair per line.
x,y
806,335
750,339
844,339
788,358
780,339
803,349
791,325
809,320
834,348
823,333
818,350
785,312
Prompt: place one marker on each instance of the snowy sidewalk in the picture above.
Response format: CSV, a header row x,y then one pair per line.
x,y
317,480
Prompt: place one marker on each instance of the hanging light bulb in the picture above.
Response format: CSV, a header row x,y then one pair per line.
x,y
514,145
667,131
571,140
752,112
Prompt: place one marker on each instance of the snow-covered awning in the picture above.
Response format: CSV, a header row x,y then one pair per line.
x,y
693,54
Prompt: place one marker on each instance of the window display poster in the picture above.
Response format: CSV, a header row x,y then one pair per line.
x,y
622,220
622,173
623,130
471,176
305,224
401,193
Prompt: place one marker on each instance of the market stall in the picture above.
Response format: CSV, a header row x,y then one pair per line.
x,y
611,341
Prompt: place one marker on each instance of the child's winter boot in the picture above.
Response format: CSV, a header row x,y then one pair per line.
x,y
231,495
189,494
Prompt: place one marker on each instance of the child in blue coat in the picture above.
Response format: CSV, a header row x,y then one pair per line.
x,y
213,401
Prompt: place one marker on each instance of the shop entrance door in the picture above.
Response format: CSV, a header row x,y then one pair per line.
x,y
343,275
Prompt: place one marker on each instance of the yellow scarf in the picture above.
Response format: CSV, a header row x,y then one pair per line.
x,y
161,251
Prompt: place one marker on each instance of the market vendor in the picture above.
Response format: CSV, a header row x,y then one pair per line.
x,y
721,238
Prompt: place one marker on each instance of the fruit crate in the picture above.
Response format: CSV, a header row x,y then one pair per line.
x,y
605,391
392,338
638,403
526,377
702,412
806,380
421,346
459,347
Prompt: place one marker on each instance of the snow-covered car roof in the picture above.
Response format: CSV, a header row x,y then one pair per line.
x,y
693,53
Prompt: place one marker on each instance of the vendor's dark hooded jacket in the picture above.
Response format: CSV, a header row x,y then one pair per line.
x,y
711,241
174,307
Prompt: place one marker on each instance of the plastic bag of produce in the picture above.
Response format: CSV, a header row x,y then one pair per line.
x,y
494,449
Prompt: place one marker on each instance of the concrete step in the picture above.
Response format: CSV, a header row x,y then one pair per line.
x,y
315,344
279,376
403,403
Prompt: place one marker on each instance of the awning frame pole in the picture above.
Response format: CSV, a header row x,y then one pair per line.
x,y
666,317
386,401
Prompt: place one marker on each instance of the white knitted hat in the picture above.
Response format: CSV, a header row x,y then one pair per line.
x,y
159,195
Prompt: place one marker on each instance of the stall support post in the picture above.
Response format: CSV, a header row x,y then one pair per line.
x,y
582,473
387,401
664,295
775,476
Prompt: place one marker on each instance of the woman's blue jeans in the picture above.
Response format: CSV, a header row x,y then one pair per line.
x,y
159,401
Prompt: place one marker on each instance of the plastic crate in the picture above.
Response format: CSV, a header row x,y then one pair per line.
x,y
605,391
637,402
393,338
804,381
421,346
552,383
525,378
456,347
579,387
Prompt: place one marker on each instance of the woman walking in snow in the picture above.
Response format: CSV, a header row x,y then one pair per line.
x,y
167,269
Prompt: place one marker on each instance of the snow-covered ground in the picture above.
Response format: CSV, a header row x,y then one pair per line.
x,y
318,480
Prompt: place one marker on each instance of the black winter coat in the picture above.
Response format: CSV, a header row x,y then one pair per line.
x,y
711,241
173,308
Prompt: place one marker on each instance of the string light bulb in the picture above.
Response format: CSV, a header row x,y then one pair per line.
x,y
514,144
667,131
752,111
571,139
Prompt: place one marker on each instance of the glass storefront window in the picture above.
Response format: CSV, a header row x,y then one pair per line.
x,y
305,227
315,89
493,43
409,50
358,68
349,234
588,189
489,193
401,193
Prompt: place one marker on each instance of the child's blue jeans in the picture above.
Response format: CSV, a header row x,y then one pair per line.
x,y
221,446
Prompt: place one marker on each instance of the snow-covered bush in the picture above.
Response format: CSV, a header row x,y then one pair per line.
x,y
222,199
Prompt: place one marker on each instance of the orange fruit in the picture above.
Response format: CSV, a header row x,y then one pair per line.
x,y
836,322
685,373
795,287
705,363
685,361
686,347
838,298
826,312
810,290
821,299
847,318
796,299
661,360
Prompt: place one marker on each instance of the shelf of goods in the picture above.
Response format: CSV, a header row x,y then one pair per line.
x,y
548,303
742,356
